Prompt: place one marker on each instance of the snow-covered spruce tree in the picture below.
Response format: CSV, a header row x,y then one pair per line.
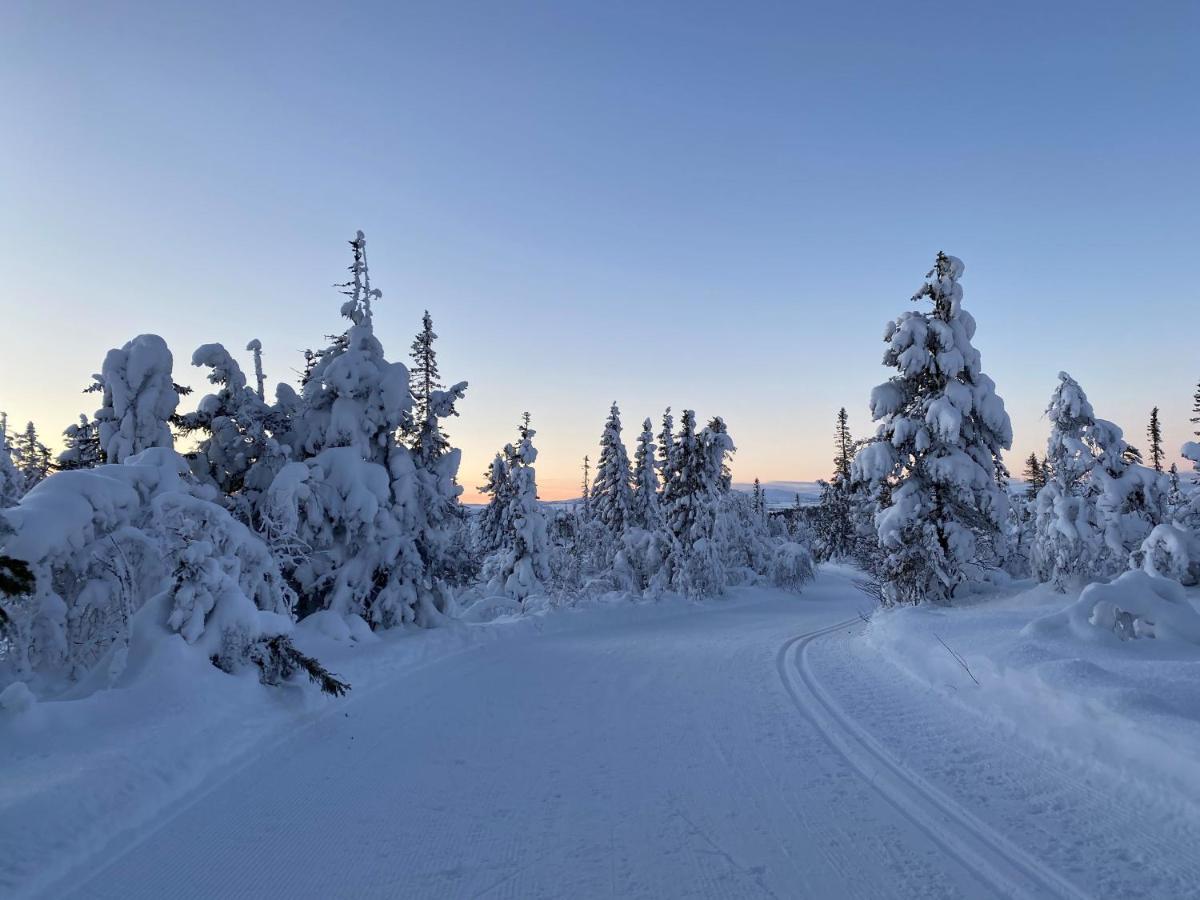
x,y
12,482
31,456
612,496
1130,498
238,454
689,501
738,535
81,446
645,510
1035,476
941,431
666,446
350,494
835,529
1176,499
491,524
585,489
1067,543
1154,435
139,398
520,568
442,521
645,540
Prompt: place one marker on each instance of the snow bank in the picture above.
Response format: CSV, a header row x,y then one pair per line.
x,y
1086,680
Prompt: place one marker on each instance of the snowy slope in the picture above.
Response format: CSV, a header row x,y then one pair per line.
x,y
738,748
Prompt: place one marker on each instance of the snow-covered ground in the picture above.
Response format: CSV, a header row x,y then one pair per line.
x,y
764,744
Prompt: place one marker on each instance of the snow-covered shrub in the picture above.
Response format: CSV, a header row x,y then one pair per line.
x,y
1135,605
791,566
103,543
1172,552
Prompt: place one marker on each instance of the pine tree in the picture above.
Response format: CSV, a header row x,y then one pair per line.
x,y
756,498
1154,434
611,496
492,523
941,432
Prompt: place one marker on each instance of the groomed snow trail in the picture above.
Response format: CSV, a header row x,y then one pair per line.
x,y
704,754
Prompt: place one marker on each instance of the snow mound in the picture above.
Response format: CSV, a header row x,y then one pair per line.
x,y
1136,605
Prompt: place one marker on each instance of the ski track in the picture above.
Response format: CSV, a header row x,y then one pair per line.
x,y
1086,828
1006,868
639,759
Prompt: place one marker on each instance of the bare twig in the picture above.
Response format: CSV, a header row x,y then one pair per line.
x,y
961,661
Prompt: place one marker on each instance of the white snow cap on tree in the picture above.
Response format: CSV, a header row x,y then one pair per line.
x,y
139,398
941,431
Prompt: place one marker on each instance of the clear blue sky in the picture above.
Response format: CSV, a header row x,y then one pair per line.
x,y
707,205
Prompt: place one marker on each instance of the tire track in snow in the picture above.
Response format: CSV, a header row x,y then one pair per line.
x,y
993,858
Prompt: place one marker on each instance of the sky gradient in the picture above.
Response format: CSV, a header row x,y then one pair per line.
x,y
715,206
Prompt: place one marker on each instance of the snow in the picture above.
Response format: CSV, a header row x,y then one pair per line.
x,y
1056,670
767,743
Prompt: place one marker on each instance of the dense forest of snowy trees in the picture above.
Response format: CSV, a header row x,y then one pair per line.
x,y
340,496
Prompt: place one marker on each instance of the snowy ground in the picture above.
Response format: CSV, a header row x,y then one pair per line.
x,y
762,745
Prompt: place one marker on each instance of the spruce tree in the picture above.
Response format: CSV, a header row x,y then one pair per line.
x,y
941,432
666,447
756,498
585,487
492,523
844,446
1154,434
1176,499
429,440
31,456
12,482
611,496
1195,420
1035,477
645,511
82,446
520,565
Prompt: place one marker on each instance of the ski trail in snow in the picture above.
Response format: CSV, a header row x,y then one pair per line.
x,y
992,857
